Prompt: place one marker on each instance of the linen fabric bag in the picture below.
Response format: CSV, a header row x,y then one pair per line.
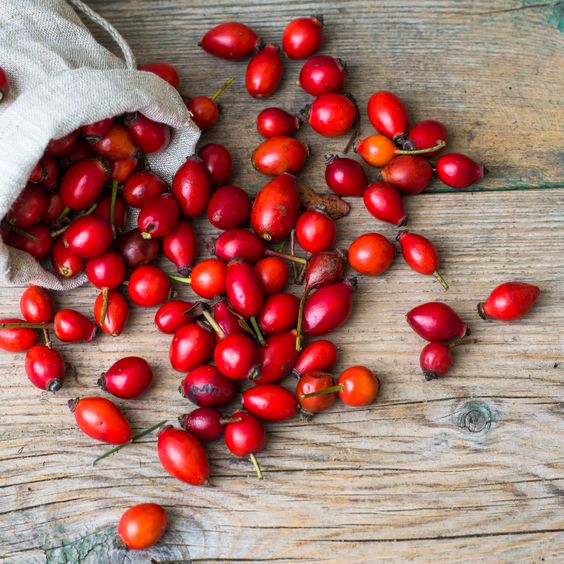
x,y
61,78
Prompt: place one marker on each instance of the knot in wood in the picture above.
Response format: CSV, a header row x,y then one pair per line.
x,y
475,420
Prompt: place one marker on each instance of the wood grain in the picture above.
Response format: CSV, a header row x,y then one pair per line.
x,y
466,468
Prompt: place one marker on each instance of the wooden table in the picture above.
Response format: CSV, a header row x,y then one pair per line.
x,y
469,468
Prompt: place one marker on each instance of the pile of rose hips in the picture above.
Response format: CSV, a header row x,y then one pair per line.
x,y
74,209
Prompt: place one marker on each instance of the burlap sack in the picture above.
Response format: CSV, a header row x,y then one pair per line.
x,y
60,78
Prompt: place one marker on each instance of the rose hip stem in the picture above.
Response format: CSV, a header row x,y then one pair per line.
x,y
23,233
291,258
256,464
258,334
115,186
58,231
214,324
330,390
300,319
26,325
221,90
133,439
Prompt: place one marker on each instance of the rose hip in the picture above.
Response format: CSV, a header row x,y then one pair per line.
x,y
65,262
158,216
279,154
237,357
273,272
36,305
317,356
149,136
328,308
81,150
207,387
163,70
116,144
204,110
55,208
246,437
16,339
45,368
322,74
421,255
409,174
100,419
205,423
244,292
191,346
191,187
264,72
83,182
458,171
117,312
388,115
128,378
379,150
273,122
173,315
277,357
95,131
279,314
58,147
427,134
326,267
180,246
51,173
509,301
435,360
29,207
384,202
208,278
88,236
142,526
302,37
137,251
270,402
239,243
315,231
71,326
436,322
122,170
359,386
229,207
35,240
141,187
275,208
232,40
4,84
345,176
332,114
106,271
183,456
148,286
227,320
371,254
218,162
310,383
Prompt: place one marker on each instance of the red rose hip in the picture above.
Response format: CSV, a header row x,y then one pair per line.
x,y
509,301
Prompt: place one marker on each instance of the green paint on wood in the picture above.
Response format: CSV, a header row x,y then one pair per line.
x,y
555,16
91,547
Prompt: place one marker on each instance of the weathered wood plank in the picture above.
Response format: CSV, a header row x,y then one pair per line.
x,y
446,470
492,73
463,469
